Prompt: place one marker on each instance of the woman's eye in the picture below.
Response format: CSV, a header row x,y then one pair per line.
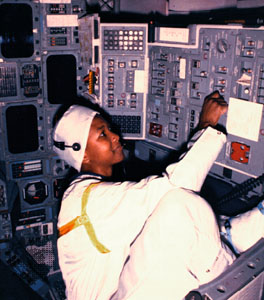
x,y
102,133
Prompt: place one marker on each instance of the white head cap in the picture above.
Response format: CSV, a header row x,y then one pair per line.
x,y
71,133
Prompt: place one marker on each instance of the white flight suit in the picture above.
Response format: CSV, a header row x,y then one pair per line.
x,y
179,248
118,212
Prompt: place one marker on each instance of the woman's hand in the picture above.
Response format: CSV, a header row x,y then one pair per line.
x,y
214,107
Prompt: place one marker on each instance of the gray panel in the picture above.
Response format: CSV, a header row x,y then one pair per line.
x,y
123,63
228,59
63,33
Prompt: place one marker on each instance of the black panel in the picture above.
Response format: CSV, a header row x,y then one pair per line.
x,y
61,78
22,129
16,30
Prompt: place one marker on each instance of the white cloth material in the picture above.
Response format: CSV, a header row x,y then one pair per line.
x,y
246,229
73,127
178,250
118,212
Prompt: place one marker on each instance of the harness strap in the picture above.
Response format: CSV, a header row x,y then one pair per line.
x,y
229,236
261,208
83,219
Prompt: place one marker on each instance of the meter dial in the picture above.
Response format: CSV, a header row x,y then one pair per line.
x,y
222,46
35,192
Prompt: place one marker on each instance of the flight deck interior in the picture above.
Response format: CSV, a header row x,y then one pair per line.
x,y
149,64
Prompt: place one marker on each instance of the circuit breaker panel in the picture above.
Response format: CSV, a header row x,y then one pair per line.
x,y
115,59
224,58
123,65
155,91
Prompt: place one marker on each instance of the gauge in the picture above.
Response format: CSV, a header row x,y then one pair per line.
x,y
222,45
35,192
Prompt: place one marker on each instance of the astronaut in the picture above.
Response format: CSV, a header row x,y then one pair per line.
x,y
152,239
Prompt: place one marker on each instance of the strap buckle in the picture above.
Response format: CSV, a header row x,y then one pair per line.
x,y
82,219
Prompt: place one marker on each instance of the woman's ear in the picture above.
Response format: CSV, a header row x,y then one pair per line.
x,y
85,163
86,159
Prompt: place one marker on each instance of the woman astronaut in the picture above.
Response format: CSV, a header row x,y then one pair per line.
x,y
152,239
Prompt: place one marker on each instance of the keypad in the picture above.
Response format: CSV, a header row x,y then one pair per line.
x,y
124,40
127,124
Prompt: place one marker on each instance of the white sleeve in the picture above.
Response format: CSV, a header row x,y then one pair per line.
x,y
191,170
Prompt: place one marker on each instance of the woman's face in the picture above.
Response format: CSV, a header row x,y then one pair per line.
x,y
103,149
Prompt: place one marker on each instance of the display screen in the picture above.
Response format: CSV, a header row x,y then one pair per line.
x,y
16,30
22,128
61,78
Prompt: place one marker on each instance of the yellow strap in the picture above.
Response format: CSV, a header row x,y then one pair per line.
x,y
67,227
83,219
